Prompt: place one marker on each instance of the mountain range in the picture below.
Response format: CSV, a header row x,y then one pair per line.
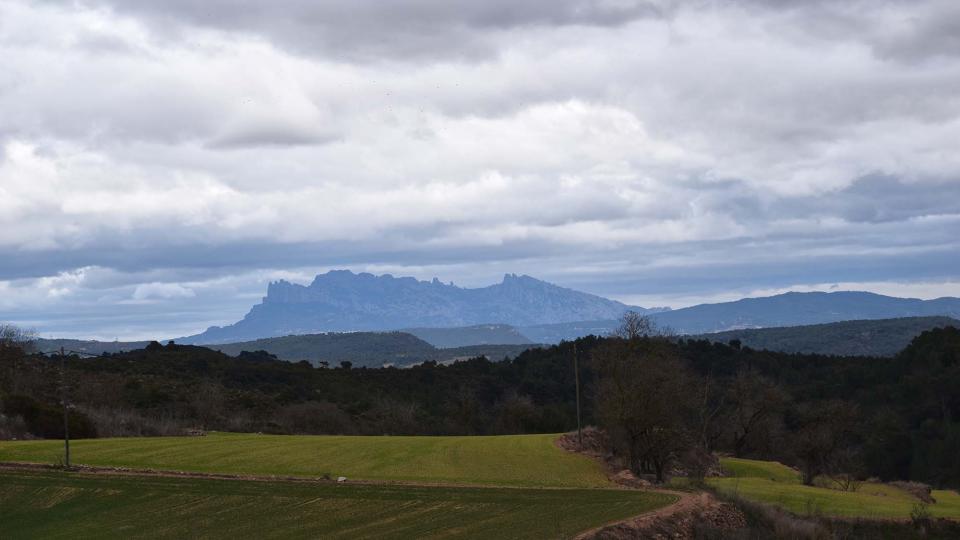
x,y
341,301
782,310
522,309
801,308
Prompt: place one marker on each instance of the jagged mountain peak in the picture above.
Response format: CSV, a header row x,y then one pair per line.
x,y
341,300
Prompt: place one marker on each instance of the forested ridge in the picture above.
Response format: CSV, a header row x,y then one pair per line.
x,y
903,411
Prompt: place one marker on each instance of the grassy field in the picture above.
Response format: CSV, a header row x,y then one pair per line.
x,y
774,483
515,460
54,505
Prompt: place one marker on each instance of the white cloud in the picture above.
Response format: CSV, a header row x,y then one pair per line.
x,y
584,141
162,291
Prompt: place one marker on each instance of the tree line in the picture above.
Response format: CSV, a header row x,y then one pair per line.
x,y
663,402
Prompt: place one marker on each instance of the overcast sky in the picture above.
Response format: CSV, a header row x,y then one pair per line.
x,y
162,160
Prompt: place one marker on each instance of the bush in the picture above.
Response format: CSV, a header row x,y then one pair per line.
x,y
109,422
917,489
920,515
46,421
13,427
767,521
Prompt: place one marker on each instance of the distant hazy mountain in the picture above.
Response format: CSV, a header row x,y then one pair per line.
x,y
794,309
880,337
362,349
88,347
343,301
789,309
372,349
557,332
365,349
464,336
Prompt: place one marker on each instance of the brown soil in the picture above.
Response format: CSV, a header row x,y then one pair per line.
x,y
686,518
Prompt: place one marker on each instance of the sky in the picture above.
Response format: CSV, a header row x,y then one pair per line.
x,y
162,160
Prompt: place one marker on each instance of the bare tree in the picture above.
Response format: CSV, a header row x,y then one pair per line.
x,y
314,417
756,405
209,404
634,325
710,406
515,413
642,402
393,416
821,441
14,336
14,343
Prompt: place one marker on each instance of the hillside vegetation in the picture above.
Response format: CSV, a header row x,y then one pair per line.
x,y
883,337
361,349
481,334
87,346
518,460
893,418
69,506
774,483
371,349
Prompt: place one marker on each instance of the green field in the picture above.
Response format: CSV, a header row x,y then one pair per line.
x,y
513,460
51,504
771,482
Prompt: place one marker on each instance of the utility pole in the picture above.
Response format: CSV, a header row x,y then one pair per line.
x,y
66,415
576,377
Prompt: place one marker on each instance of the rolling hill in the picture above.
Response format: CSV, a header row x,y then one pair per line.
x,y
782,310
795,308
55,505
372,349
365,349
882,337
362,349
481,334
520,486
774,483
506,460
87,346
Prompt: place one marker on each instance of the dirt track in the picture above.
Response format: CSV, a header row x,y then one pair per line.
x,y
674,521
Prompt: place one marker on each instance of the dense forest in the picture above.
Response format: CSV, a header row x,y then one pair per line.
x,y
892,418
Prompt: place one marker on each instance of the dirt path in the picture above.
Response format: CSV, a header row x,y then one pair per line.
x,y
677,520
686,503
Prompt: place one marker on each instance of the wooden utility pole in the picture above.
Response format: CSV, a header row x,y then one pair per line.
x,y
66,414
576,377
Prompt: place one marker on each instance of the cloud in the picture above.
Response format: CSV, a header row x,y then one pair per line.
x,y
405,29
656,149
163,291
